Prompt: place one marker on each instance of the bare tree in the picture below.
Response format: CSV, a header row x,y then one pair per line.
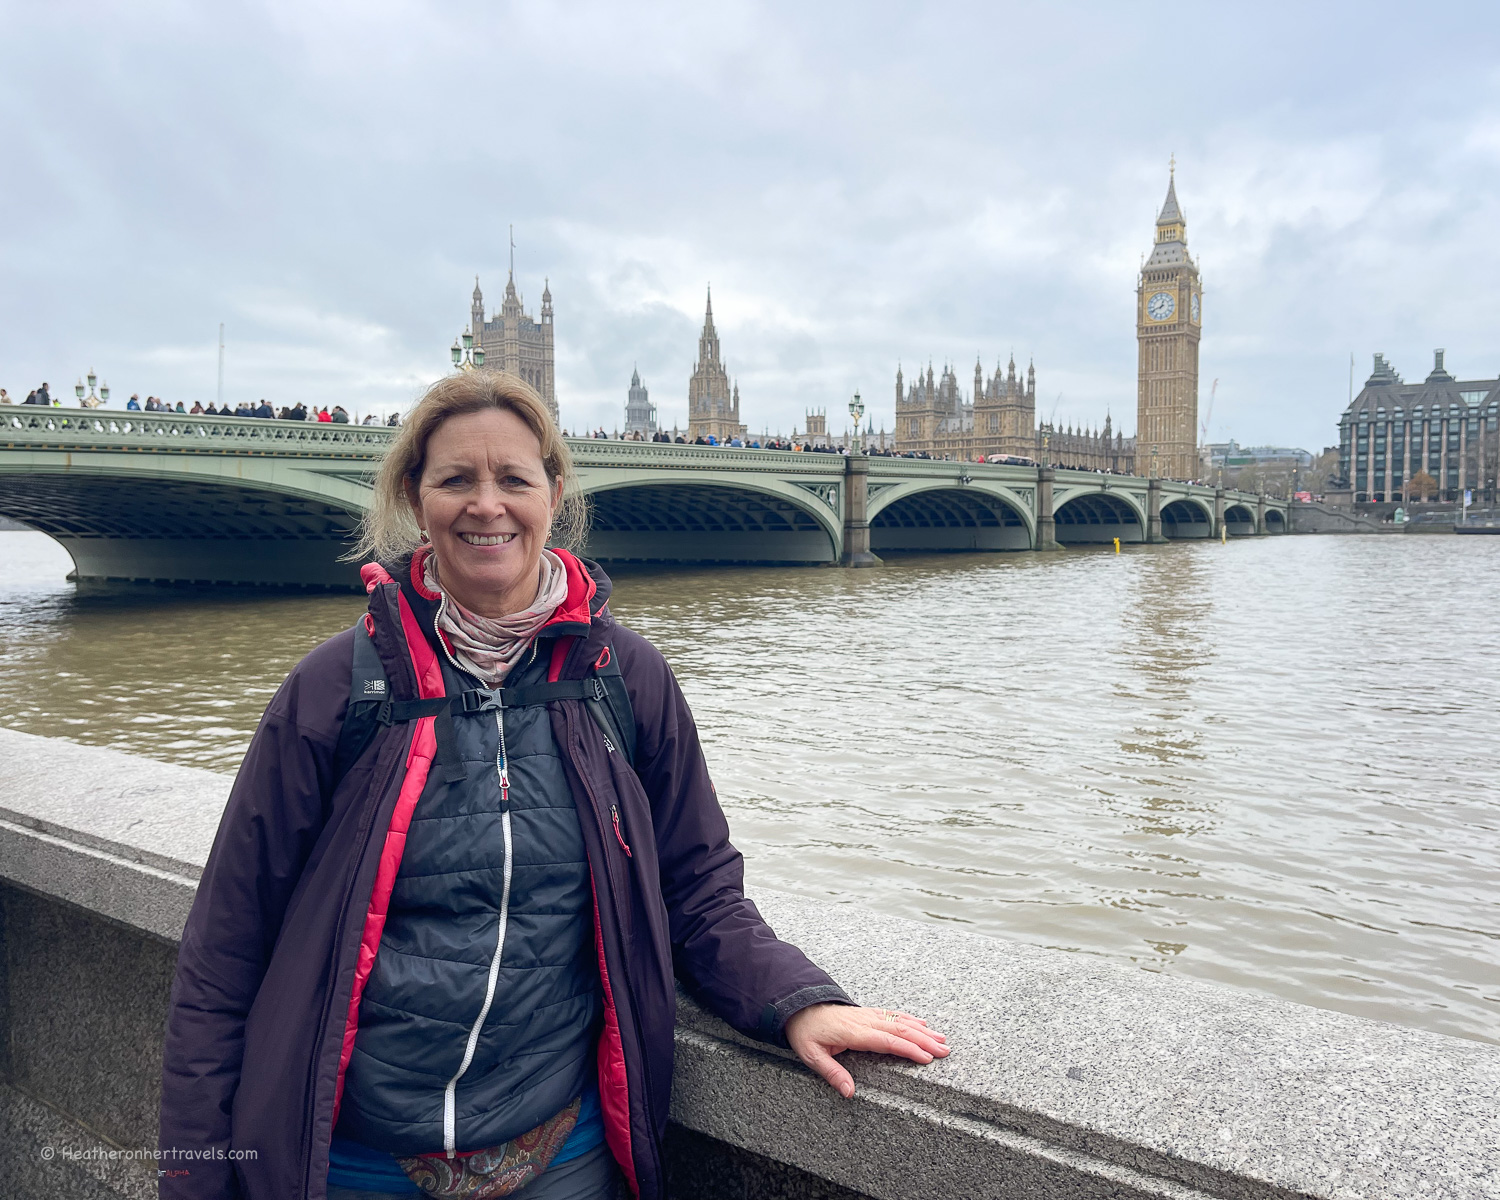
x,y
1422,484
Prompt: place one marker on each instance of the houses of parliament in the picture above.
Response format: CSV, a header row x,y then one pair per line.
x,y
933,415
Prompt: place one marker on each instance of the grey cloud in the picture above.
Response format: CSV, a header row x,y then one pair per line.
x,y
863,184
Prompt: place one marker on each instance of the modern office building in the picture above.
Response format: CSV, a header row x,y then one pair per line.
x,y
1444,428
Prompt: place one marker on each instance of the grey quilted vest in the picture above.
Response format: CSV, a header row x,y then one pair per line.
x,y
458,1048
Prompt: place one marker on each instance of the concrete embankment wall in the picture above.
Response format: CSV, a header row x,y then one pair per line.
x,y
1069,1077
1321,518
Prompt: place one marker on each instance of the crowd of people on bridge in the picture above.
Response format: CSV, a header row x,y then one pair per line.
x,y
336,415
738,443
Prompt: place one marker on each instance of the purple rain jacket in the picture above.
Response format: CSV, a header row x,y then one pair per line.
x,y
287,920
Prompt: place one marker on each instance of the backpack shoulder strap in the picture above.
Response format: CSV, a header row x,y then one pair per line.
x,y
609,704
368,690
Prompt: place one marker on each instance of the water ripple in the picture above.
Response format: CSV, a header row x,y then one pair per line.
x,y
1270,764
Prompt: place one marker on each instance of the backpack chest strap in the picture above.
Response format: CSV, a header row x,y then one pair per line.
x,y
472,702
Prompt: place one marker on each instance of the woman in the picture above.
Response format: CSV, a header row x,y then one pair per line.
x,y
445,957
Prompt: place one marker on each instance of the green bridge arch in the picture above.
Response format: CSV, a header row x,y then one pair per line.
x,y
709,518
1094,513
960,513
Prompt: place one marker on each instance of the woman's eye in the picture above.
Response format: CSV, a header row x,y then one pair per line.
x,y
514,481
453,481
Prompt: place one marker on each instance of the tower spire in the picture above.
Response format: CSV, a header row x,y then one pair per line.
x,y
1171,214
512,251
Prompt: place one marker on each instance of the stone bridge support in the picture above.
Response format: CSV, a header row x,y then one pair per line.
x,y
1154,535
857,551
1046,523
1260,513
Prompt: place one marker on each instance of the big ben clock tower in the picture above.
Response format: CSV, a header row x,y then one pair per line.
x,y
1168,315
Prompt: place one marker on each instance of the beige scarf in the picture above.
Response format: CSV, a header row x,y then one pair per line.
x,y
488,647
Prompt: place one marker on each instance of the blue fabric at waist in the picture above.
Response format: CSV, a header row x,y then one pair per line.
x,y
363,1168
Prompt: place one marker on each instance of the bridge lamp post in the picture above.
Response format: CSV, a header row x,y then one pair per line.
x,y
101,398
468,356
856,410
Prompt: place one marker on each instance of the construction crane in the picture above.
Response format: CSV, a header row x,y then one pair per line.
x,y
1208,414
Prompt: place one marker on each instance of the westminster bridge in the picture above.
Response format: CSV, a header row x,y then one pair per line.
x,y
243,500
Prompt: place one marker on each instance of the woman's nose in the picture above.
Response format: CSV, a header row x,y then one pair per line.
x,y
488,499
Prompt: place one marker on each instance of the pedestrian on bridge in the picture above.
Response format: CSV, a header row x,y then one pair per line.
x,y
471,850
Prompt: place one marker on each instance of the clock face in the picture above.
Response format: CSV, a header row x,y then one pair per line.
x,y
1161,306
1196,311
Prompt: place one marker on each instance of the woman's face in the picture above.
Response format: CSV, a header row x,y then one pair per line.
x,y
484,499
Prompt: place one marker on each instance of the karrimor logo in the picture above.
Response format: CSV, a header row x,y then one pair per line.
x,y
374,687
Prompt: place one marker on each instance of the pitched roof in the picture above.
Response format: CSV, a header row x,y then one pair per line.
x,y
1170,213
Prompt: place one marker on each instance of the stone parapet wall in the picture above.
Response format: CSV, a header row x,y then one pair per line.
x,y
1069,1077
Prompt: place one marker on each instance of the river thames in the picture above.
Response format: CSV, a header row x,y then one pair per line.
x,y
1272,764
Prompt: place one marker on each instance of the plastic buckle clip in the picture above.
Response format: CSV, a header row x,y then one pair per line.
x,y
482,700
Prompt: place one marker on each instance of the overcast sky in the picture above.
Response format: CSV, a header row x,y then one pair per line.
x,y
863,185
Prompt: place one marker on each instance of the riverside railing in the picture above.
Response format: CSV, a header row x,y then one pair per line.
x,y
1068,1078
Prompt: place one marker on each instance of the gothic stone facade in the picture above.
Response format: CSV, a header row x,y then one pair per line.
x,y
1085,449
640,413
934,416
1169,315
713,403
513,342
1446,427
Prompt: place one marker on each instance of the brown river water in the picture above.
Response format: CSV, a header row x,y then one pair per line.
x,y
1273,764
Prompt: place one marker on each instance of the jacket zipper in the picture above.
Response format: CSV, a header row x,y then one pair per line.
x,y
614,814
502,769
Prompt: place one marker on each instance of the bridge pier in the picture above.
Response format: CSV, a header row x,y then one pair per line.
x,y
1046,523
1154,535
857,551
1260,513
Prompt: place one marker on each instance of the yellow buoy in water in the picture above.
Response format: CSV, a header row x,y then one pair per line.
x,y
1117,545
1223,536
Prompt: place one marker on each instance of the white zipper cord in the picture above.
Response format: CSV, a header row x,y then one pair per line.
x,y
502,768
450,1117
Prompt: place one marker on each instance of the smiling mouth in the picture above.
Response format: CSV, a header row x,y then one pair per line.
x,y
486,539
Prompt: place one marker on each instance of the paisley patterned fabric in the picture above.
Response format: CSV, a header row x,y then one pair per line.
x,y
498,1171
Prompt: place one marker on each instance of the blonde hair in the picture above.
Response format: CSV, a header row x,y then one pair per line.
x,y
388,530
